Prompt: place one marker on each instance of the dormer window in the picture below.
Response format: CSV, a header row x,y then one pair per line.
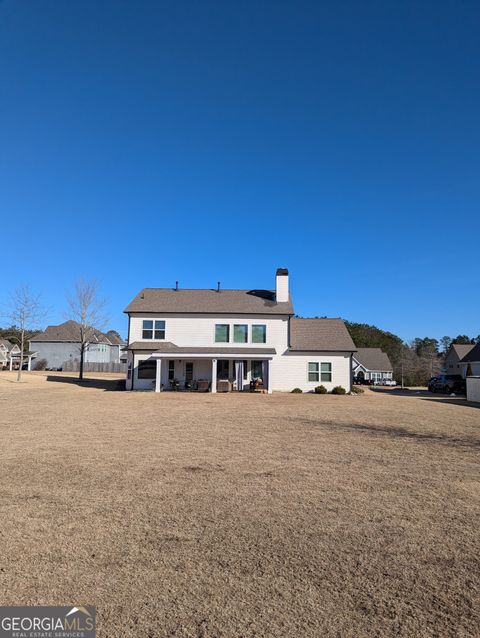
x,y
153,329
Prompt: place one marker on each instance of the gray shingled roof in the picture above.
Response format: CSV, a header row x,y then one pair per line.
x,y
320,334
462,349
166,300
66,332
114,338
8,344
472,355
168,347
373,359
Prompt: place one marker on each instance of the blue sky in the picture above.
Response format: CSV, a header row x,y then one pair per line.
x,y
145,142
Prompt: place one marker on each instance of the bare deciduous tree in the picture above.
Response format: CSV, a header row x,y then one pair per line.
x,y
87,309
25,312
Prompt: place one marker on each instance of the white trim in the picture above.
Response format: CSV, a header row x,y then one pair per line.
x,y
214,377
154,319
158,376
192,355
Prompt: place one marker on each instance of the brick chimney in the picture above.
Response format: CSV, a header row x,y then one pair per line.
x,y
281,285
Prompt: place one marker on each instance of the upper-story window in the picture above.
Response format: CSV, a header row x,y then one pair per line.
x,y
222,333
259,333
153,329
240,333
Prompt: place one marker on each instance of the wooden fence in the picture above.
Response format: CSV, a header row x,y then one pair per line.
x,y
74,366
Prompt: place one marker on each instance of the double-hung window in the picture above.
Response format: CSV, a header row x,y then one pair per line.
x,y
153,329
259,333
240,333
326,372
222,333
313,374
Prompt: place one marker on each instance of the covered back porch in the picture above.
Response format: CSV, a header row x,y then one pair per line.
x,y
207,373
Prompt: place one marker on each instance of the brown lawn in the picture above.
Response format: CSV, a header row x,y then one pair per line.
x,y
241,515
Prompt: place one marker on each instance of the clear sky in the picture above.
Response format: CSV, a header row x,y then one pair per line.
x,y
145,142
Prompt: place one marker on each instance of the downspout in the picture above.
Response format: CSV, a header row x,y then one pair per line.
x,y
133,368
351,371
133,354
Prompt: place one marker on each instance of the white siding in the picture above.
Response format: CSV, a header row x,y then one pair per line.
x,y
288,370
473,389
56,353
198,331
291,371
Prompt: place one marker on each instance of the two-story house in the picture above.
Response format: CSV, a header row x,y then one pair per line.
x,y
229,339
60,344
8,352
454,356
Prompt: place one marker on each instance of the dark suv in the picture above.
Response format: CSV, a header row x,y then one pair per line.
x,y
447,383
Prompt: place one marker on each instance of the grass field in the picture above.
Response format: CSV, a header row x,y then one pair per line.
x,y
241,515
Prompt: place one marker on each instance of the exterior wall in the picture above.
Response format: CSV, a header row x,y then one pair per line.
x,y
287,371
198,331
452,364
291,371
474,369
56,353
473,389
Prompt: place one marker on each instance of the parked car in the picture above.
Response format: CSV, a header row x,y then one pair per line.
x,y
447,383
361,381
389,382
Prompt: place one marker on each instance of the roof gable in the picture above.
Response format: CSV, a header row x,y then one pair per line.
x,y
319,335
373,359
473,355
459,350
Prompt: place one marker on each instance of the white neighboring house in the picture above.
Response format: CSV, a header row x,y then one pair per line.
x,y
230,339
8,350
59,344
372,364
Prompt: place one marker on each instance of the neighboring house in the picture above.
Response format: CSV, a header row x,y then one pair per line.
x,y
117,349
372,364
226,339
454,356
8,350
59,344
470,366
470,363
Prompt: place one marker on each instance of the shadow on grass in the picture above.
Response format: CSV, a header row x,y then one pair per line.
x,y
461,400
399,392
397,432
108,385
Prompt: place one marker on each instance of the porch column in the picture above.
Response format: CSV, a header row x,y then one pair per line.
x,y
158,377
269,377
11,362
214,375
29,366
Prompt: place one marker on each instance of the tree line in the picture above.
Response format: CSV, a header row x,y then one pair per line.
x,y
413,362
